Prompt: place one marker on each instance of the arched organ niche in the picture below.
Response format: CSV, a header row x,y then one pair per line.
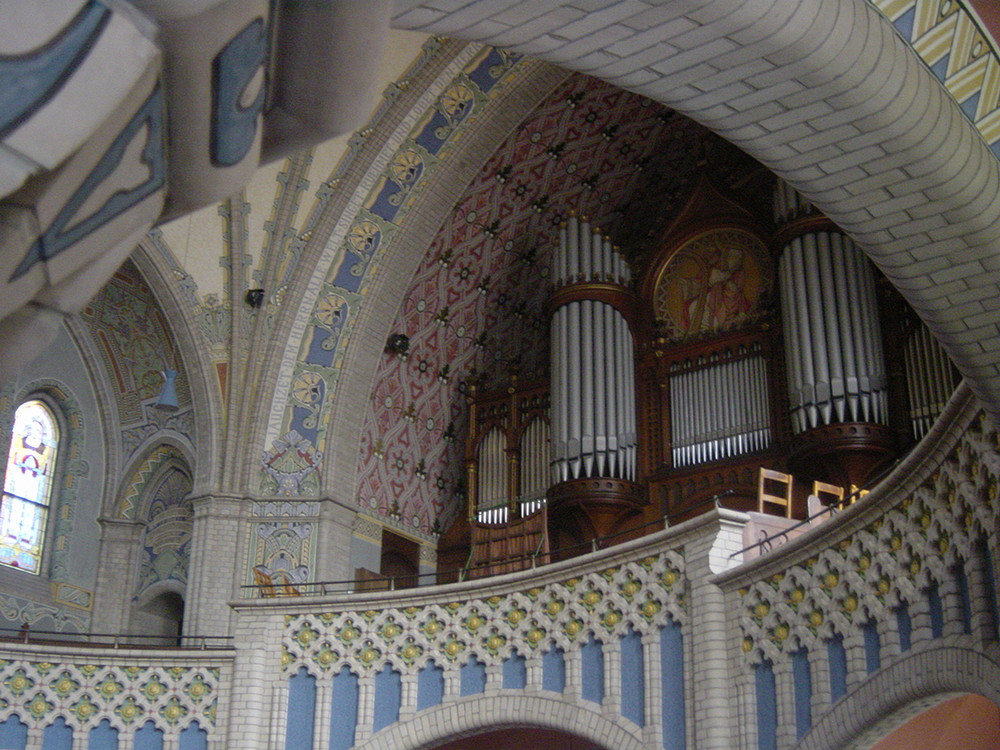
x,y
745,340
507,461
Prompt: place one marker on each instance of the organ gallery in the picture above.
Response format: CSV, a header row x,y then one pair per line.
x,y
744,349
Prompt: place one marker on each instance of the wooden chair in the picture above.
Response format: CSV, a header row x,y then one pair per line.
x,y
828,494
770,478
857,493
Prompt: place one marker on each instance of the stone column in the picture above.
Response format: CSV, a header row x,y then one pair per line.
x,y
336,527
116,574
216,572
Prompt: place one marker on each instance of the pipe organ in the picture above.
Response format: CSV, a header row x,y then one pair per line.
x,y
743,343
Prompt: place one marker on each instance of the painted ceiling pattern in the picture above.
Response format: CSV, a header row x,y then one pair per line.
x,y
136,343
475,309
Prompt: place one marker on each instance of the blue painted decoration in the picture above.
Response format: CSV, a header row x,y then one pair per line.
x,y
59,235
554,670
633,683
388,697
592,668
193,737
837,657
964,597
936,610
57,736
344,709
103,737
30,80
515,672
430,686
234,69
13,734
301,711
148,738
873,646
767,707
472,677
672,672
903,626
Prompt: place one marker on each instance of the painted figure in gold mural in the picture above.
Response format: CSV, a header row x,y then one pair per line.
x,y
711,284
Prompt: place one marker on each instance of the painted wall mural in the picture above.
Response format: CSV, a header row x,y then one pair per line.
x,y
135,342
713,283
282,545
167,539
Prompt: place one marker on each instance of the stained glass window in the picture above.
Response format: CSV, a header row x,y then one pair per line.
x,y
27,486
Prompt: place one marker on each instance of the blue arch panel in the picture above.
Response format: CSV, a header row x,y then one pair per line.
x,y
430,686
767,707
672,671
13,734
194,737
592,668
802,681
633,683
472,677
515,672
990,583
148,738
388,697
903,626
554,670
837,657
343,709
301,711
57,736
873,646
103,737
936,610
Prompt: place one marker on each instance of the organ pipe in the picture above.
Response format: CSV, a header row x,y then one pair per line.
x,y
593,392
719,406
833,340
930,378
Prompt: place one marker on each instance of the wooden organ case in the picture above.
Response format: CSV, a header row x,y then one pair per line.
x,y
743,342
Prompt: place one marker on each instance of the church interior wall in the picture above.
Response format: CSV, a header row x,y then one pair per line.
x,y
223,511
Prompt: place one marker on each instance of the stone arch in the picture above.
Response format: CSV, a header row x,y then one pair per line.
x,y
471,716
165,511
895,694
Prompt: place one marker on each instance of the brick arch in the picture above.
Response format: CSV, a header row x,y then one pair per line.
x,y
471,716
895,694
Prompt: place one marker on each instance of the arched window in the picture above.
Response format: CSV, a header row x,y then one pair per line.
x,y
27,487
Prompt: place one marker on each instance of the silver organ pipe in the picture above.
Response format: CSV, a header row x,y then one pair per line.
x,y
930,378
492,478
719,406
833,341
534,466
593,404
